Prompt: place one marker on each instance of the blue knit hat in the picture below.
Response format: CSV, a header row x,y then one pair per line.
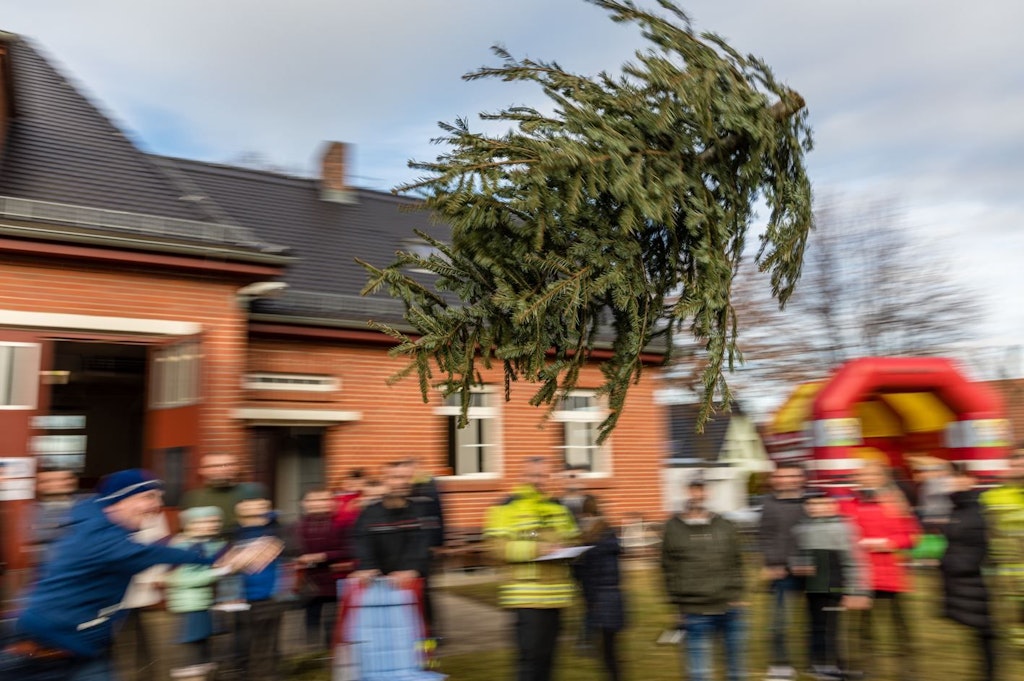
x,y
123,484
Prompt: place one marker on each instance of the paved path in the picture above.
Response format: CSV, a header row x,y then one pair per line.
x,y
470,626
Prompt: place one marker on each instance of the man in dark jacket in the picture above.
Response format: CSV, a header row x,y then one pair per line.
x,y
783,509
425,495
65,630
391,537
703,569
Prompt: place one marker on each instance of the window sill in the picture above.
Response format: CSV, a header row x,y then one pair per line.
x,y
597,480
487,482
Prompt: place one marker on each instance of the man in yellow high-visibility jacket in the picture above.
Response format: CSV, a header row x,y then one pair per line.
x,y
527,526
1004,508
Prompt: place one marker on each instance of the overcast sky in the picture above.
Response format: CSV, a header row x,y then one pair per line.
x,y
919,100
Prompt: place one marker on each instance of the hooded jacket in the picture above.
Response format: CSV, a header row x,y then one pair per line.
x,y
966,595
267,583
191,588
831,546
517,531
78,595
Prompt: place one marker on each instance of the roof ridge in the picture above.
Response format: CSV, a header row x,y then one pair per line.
x,y
230,169
237,170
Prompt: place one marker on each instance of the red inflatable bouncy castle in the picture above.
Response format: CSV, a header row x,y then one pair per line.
x,y
900,406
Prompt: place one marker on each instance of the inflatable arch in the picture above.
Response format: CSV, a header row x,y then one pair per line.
x,y
928,399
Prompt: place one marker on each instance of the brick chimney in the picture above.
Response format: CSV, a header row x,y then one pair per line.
x,y
334,164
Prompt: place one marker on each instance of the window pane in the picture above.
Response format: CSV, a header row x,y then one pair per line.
x,y
171,464
471,449
476,399
19,374
579,443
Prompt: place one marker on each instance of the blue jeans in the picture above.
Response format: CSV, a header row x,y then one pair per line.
x,y
700,635
781,588
17,668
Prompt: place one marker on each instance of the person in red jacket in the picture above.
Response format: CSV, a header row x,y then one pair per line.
x,y
348,503
887,527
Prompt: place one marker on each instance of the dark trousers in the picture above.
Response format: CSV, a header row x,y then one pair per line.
x,y
429,610
610,654
320,614
987,644
823,611
17,668
536,641
781,590
257,640
902,641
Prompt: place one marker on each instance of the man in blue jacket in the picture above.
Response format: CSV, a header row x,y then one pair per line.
x,y
66,628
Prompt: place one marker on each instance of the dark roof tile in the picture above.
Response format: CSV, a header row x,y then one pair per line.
x,y
61,148
325,237
686,443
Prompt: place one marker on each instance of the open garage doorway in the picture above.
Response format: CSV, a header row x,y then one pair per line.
x,y
97,409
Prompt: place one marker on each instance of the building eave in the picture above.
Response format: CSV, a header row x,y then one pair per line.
x,y
263,324
103,252
69,223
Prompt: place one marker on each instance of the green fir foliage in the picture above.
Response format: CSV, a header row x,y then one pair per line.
x,y
614,220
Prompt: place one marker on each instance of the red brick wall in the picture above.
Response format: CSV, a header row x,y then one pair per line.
x,y
82,289
1012,392
395,423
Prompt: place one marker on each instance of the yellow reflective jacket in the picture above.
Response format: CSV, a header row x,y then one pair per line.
x,y
1004,508
516,531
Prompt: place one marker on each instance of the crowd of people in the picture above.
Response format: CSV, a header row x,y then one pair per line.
x,y
234,567
845,555
849,555
108,568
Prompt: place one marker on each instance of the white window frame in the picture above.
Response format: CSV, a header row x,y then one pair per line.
x,y
20,364
176,376
592,417
491,412
311,383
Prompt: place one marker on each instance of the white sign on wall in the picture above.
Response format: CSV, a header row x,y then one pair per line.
x,y
17,467
58,444
58,422
15,489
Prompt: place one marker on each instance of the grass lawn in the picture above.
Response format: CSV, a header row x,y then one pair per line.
x,y
945,651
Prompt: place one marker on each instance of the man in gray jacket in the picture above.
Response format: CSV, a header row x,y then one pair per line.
x,y
783,509
702,564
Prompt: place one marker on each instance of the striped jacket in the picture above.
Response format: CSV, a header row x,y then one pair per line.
x,y
517,532
1004,507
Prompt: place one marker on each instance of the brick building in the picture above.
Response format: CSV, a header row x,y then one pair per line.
x,y
154,309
